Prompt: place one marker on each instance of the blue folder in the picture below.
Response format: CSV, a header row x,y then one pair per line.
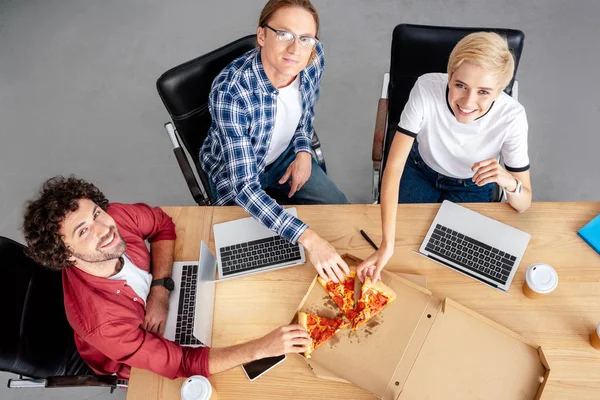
x,y
591,233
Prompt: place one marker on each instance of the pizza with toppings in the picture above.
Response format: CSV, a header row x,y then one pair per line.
x,y
319,328
342,293
374,297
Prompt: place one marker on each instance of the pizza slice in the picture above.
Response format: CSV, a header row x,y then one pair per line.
x,y
374,297
319,328
342,293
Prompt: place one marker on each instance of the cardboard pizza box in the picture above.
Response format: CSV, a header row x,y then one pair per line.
x,y
420,347
323,373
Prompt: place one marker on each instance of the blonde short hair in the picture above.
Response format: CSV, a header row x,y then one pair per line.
x,y
488,50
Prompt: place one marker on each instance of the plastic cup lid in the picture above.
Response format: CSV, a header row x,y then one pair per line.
x,y
196,388
541,278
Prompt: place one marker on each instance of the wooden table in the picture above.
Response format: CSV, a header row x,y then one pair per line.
x,y
250,307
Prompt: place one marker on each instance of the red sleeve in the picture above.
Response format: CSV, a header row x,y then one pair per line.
x,y
152,223
126,343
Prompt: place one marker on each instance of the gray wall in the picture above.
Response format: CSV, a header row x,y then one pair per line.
x,y
77,88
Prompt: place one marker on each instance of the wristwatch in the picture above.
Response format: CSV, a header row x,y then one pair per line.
x,y
517,190
166,282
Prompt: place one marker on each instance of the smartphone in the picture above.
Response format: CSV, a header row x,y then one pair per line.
x,y
256,368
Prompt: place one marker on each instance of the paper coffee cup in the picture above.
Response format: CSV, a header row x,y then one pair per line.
x,y
540,279
595,338
197,387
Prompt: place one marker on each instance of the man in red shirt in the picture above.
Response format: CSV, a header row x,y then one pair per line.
x,y
117,315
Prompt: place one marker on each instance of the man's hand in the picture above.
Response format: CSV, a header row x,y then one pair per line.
x,y
157,307
324,257
299,171
373,265
490,170
283,340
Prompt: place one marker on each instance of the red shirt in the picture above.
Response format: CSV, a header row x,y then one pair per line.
x,y
106,315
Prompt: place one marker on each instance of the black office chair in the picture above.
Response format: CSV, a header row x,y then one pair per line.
x,y
36,340
417,50
184,91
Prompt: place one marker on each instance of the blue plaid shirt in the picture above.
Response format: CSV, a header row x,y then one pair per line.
x,y
243,104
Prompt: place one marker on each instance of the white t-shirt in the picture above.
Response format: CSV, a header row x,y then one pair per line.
x,y
287,117
451,148
138,279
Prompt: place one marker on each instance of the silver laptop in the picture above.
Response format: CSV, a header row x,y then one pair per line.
x,y
245,247
475,245
191,305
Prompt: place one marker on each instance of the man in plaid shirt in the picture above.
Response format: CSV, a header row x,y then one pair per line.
x,y
262,108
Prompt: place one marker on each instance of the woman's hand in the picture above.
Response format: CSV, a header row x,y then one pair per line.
x,y
373,265
490,170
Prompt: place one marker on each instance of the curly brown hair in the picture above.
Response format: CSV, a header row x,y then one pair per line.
x,y
44,216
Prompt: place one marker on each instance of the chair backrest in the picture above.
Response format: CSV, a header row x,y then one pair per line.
x,y
421,49
36,339
184,91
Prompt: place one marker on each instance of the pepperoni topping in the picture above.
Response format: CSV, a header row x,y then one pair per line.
x,y
339,301
325,330
327,335
311,320
351,314
349,284
381,299
360,306
375,308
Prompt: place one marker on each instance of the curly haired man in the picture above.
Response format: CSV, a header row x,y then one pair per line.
x,y
117,314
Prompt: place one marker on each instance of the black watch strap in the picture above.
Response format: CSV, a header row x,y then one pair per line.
x,y
168,283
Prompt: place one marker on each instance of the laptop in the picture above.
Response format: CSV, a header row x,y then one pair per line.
x,y
245,247
191,305
475,245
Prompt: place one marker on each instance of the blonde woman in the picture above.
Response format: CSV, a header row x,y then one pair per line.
x,y
461,121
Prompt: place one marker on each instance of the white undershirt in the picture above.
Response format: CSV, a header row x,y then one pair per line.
x,y
287,117
451,148
138,279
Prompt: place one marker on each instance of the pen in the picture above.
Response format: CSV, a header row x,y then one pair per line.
x,y
368,239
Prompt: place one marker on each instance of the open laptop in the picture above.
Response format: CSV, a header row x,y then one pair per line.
x,y
245,247
475,245
191,305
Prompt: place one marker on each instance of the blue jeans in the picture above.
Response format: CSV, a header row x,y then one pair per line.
x,y
318,189
421,184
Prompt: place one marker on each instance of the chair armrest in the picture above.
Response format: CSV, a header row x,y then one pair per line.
x,y
84,380
189,177
380,124
110,381
318,153
379,134
186,168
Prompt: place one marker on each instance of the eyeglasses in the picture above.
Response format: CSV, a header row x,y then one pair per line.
x,y
306,42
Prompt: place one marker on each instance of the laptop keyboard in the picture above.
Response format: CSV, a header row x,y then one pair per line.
x,y
257,254
471,254
184,332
